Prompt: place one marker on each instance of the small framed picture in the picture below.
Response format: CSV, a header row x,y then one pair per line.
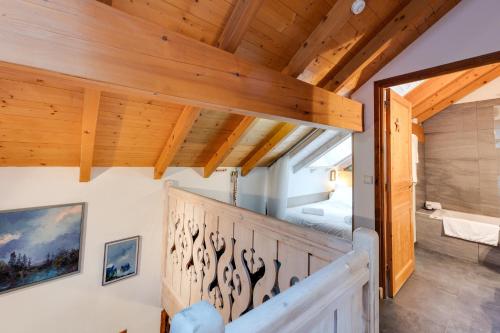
x,y
121,260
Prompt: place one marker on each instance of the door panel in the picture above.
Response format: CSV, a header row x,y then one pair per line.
x,y
399,191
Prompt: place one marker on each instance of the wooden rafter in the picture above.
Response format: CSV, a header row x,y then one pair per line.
x,y
452,88
283,130
330,25
167,66
179,133
228,145
338,139
336,18
422,92
91,101
238,23
231,37
404,27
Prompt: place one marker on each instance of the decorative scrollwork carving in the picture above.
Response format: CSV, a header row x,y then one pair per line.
x,y
242,292
209,258
265,255
225,268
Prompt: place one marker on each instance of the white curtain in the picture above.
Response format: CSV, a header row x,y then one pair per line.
x,y
277,191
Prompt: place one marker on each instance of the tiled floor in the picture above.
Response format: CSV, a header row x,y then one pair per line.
x,y
444,295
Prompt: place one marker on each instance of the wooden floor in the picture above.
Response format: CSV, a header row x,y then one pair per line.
x,y
445,295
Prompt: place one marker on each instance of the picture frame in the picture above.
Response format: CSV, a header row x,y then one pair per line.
x,y
40,244
121,259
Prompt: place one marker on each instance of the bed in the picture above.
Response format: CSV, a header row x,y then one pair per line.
x,y
337,217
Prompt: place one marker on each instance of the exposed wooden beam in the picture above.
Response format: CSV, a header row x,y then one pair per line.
x,y
306,142
455,90
338,139
418,130
167,66
91,101
283,130
331,24
405,27
420,93
238,23
227,147
231,37
179,133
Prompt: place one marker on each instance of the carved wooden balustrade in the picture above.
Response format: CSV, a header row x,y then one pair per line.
x,y
234,258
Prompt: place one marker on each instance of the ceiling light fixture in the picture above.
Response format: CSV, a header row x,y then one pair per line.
x,y
358,6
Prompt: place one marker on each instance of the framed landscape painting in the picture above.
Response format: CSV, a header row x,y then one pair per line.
x,y
39,244
121,260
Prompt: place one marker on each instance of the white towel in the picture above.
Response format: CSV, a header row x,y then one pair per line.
x,y
485,231
313,211
414,156
433,205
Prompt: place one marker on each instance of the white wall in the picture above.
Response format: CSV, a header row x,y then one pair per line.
x,y
122,202
251,188
309,181
470,29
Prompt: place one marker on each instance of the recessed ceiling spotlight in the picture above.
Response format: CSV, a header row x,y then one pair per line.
x,y
358,6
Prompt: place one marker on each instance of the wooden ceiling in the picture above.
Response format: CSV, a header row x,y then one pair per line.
x,y
44,119
436,94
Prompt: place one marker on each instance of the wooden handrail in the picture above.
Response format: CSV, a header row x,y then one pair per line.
x,y
234,258
341,297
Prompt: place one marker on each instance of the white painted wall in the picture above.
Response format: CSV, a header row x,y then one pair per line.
x,y
309,181
252,188
470,29
122,202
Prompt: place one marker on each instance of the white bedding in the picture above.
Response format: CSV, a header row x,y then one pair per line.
x,y
337,218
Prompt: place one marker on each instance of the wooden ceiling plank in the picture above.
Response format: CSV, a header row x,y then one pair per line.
x,y
238,24
336,18
167,66
283,130
228,146
338,139
433,97
179,133
401,31
91,101
231,37
420,93
461,88
331,24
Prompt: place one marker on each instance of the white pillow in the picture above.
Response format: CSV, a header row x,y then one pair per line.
x,y
313,211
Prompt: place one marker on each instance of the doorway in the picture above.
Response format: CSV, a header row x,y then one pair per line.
x,y
394,188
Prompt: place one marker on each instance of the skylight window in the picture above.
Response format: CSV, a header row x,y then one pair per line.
x,y
335,155
405,88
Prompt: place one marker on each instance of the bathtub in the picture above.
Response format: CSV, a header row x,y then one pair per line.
x,y
430,236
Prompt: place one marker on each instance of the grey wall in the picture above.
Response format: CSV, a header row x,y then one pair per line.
x,y
462,161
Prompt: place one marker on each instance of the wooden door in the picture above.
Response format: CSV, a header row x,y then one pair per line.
x,y
400,245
